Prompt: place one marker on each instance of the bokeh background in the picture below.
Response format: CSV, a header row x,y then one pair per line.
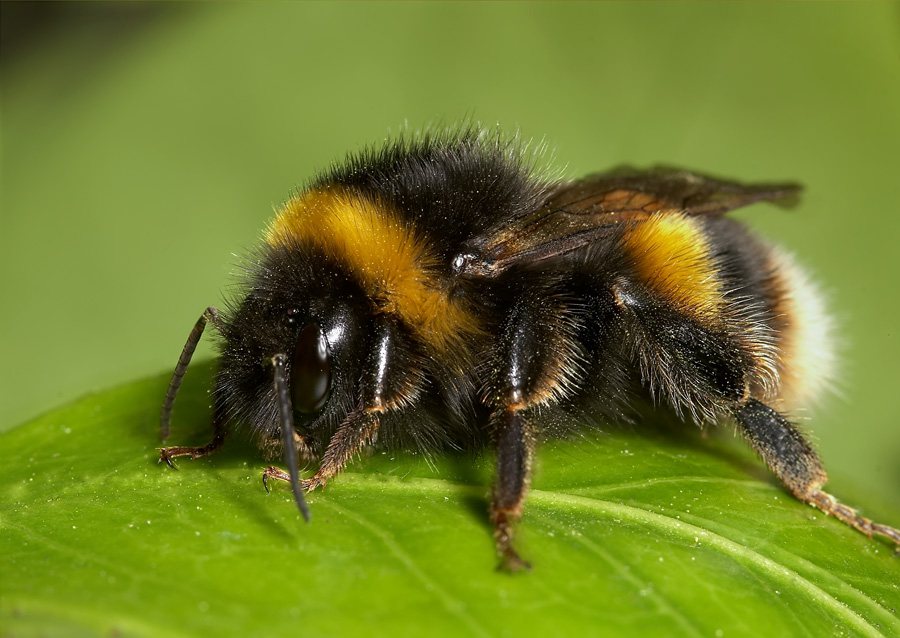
x,y
143,145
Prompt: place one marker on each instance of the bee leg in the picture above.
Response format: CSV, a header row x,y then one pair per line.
x,y
515,451
275,473
391,380
535,363
307,448
358,430
168,453
792,460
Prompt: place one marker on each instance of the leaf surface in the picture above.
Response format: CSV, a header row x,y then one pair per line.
x,y
653,533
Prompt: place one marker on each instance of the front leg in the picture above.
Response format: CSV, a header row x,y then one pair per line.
x,y
356,432
307,448
168,453
219,431
391,380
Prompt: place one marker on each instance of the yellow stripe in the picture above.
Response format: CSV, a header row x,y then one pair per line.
x,y
393,264
671,256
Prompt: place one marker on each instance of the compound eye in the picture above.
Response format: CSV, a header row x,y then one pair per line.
x,y
310,371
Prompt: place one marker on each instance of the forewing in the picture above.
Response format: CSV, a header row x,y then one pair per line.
x,y
578,213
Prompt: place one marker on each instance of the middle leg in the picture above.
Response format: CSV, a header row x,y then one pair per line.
x,y
536,364
515,442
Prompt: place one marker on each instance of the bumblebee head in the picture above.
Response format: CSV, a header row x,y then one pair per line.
x,y
299,306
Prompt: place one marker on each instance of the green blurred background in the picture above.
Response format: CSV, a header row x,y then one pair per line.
x,y
144,145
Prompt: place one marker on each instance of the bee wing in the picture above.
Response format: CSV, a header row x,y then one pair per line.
x,y
577,213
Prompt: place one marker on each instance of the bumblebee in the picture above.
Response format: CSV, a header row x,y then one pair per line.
x,y
442,292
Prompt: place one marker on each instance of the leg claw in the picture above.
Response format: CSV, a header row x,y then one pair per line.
x,y
277,473
311,484
511,562
164,456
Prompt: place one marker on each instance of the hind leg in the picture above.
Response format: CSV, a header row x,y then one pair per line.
x,y
791,458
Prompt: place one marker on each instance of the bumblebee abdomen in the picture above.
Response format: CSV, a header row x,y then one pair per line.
x,y
805,334
670,255
774,310
734,316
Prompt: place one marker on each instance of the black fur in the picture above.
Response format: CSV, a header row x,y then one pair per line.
x,y
449,188
570,338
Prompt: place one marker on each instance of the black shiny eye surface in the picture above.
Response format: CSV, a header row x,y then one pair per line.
x,y
310,371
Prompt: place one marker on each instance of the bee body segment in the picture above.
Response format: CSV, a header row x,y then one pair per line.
x,y
440,292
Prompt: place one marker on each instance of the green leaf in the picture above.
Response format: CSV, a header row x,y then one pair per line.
x,y
652,533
